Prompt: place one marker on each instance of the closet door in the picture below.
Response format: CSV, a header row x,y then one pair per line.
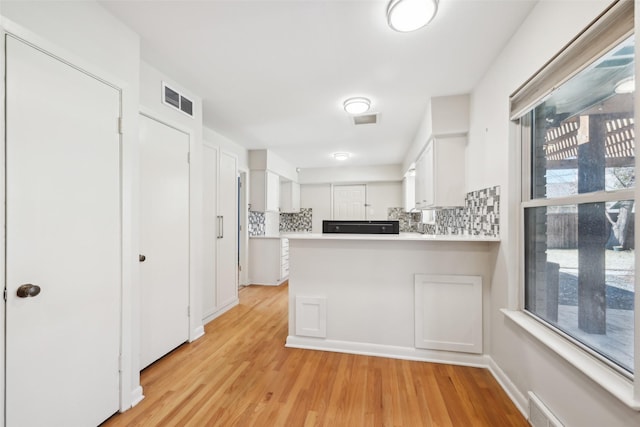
x,y
164,239
210,240
227,275
63,239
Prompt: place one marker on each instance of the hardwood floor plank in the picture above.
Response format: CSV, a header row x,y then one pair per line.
x,y
240,374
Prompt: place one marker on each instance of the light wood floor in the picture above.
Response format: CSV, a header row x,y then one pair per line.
x,y
240,374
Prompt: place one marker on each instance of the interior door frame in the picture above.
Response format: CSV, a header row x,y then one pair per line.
x,y
196,328
130,390
147,113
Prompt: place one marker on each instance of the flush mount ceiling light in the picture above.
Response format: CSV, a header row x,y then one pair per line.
x,y
410,15
627,85
357,105
341,156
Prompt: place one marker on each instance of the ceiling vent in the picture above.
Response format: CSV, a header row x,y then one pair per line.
x,y
366,119
173,98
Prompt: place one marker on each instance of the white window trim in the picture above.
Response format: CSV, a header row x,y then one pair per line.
x,y
602,374
625,389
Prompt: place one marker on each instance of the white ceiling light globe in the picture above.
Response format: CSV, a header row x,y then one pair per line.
x,y
410,15
356,105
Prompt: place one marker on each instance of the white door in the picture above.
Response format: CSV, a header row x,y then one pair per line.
x,y
349,202
164,239
227,276
63,235
210,230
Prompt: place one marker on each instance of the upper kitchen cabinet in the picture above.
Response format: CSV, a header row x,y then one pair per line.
x,y
267,171
265,191
440,167
289,196
440,173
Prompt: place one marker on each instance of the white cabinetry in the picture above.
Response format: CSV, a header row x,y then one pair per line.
x,y
220,269
284,258
440,177
409,191
265,191
289,196
268,260
448,313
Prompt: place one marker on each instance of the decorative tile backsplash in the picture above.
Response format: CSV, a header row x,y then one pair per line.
x,y
256,224
409,221
296,222
270,223
480,216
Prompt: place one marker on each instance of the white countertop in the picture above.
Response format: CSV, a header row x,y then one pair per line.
x,y
266,237
391,237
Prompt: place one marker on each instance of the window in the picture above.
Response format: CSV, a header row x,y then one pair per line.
x,y
578,149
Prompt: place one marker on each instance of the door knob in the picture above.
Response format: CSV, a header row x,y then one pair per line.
x,y
28,290
141,258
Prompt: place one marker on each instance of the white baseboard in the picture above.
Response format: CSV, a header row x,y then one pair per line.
x,y
393,352
136,396
197,333
208,318
263,283
509,387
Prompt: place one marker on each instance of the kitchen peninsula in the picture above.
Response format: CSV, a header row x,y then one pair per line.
x,y
407,295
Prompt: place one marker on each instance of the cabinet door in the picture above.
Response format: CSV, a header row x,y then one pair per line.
x,y
290,196
429,177
409,192
420,199
210,231
227,253
295,197
273,192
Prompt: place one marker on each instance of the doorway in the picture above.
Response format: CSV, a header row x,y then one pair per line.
x,y
164,239
349,202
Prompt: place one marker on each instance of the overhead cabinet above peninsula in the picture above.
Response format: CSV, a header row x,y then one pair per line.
x,y
265,191
440,173
273,183
440,166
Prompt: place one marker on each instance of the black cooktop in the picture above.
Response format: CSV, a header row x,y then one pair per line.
x,y
361,227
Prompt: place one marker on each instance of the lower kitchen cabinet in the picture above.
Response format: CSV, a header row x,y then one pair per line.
x,y
268,260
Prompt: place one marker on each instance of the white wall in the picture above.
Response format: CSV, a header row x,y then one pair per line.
x,y
225,144
351,174
318,198
492,160
84,34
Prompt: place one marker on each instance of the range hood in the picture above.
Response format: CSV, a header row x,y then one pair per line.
x,y
361,227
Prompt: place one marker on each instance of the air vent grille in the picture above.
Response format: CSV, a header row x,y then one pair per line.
x,y
176,100
365,119
540,415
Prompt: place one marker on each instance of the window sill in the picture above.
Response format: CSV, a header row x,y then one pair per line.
x,y
608,379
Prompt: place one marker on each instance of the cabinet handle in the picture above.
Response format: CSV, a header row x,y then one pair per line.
x,y
221,227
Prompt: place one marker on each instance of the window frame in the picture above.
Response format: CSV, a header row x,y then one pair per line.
x,y
606,31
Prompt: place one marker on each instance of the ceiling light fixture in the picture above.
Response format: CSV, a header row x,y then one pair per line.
x,y
627,85
341,156
357,105
410,15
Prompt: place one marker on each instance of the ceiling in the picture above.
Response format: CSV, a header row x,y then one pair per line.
x,y
274,74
